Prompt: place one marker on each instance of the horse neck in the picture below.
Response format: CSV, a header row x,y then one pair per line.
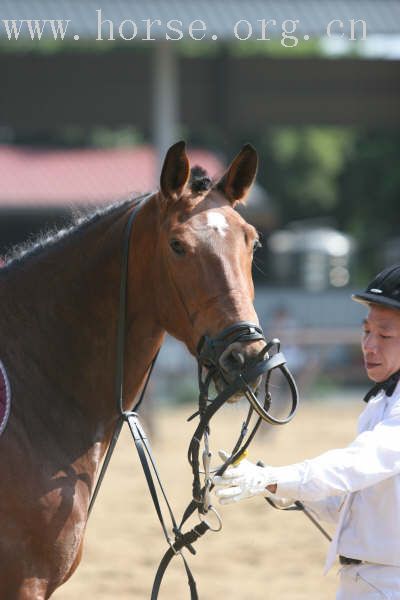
x,y
62,317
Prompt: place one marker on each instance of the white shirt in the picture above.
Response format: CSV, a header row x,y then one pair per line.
x,y
358,486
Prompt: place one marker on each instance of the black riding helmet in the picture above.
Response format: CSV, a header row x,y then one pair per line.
x,y
384,289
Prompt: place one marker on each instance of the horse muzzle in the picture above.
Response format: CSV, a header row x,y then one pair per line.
x,y
225,356
236,360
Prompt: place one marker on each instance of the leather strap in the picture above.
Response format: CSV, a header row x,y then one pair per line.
x,y
344,560
120,351
182,540
119,368
186,540
148,464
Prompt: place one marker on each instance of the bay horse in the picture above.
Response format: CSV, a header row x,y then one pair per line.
x,y
189,265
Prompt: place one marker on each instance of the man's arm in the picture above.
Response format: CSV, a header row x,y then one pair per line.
x,y
372,457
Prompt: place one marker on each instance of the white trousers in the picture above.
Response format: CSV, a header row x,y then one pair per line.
x,y
369,582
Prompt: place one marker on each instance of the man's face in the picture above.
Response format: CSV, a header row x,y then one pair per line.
x,y
381,342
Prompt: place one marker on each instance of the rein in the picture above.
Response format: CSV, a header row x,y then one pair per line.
x,y
209,352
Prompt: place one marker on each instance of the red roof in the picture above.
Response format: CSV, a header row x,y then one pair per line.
x,y
63,177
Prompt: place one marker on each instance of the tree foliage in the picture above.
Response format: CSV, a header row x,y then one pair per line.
x,y
350,176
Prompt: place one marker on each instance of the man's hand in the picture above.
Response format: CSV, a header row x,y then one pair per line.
x,y
244,480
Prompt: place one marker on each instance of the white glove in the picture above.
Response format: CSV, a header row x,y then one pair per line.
x,y
244,480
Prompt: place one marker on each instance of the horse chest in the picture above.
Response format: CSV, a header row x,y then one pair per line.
x,y
44,511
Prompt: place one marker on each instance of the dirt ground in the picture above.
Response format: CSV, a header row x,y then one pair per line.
x,y
260,553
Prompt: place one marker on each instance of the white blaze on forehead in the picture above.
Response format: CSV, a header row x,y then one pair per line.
x,y
217,222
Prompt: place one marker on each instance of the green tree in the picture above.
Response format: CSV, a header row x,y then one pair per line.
x,y
301,168
369,194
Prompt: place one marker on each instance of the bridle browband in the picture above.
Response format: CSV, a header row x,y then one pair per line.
x,y
209,352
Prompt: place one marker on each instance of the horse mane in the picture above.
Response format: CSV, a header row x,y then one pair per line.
x,y
78,220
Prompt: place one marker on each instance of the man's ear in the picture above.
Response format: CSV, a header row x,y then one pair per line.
x,y
237,180
175,172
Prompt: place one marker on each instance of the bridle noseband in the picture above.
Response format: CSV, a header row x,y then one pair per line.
x,y
210,351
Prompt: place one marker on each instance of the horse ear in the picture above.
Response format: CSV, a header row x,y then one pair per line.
x,y
237,180
175,172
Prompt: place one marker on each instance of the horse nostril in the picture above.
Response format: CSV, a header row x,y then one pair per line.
x,y
232,361
238,357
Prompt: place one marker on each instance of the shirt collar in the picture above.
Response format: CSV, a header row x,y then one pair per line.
x,y
388,386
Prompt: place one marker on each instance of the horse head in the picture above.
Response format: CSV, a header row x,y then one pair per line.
x,y
205,251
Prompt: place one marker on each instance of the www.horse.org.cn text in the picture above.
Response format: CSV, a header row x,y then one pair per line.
x,y
263,30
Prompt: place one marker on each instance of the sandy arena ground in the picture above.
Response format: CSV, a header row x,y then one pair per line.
x,y
259,554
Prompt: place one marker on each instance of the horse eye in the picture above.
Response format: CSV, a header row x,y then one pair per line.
x,y
177,247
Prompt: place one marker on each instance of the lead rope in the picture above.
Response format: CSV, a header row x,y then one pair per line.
x,y
298,506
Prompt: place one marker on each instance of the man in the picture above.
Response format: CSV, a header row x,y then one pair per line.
x,y
357,487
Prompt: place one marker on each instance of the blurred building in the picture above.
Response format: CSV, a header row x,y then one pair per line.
x,y
391,251
139,78
311,257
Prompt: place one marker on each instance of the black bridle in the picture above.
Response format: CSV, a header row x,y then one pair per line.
x,y
210,351
209,354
